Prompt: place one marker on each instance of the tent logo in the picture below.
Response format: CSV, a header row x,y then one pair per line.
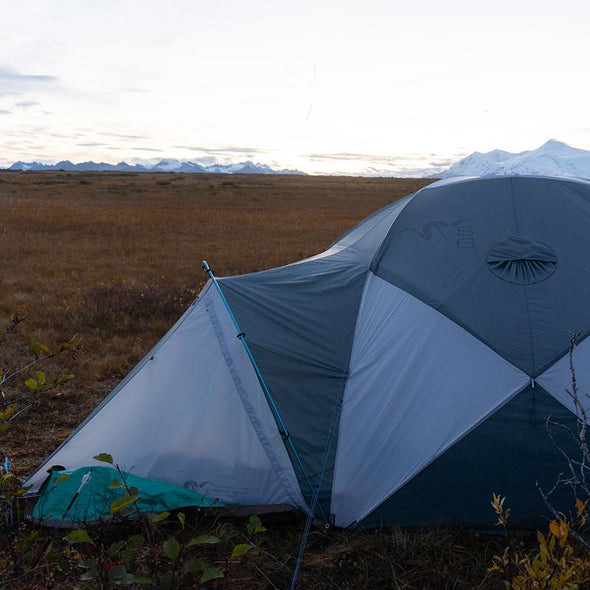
x,y
461,231
208,487
197,487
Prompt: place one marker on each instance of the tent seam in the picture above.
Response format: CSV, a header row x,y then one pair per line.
x,y
250,412
345,384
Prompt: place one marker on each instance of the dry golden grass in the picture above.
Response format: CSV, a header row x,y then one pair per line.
x,y
117,258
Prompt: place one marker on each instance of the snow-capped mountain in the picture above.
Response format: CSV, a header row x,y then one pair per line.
x,y
553,158
169,165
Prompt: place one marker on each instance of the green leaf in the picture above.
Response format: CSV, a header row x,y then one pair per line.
x,y
65,378
104,457
115,484
41,379
210,573
204,540
37,348
240,550
136,541
181,519
117,572
78,536
8,412
120,575
30,540
32,384
70,345
171,548
193,566
91,574
255,525
121,503
160,517
87,564
22,491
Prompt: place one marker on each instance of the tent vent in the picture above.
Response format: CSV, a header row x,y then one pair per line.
x,y
522,261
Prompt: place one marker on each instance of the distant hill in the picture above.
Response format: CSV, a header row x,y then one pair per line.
x,y
161,166
553,158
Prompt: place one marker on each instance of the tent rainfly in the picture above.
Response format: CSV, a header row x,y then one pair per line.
x,y
414,364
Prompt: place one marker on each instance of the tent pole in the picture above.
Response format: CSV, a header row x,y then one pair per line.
x,y
314,500
277,415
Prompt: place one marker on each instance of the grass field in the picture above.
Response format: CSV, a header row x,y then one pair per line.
x,y
116,258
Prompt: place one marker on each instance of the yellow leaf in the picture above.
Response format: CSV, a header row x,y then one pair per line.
x,y
554,529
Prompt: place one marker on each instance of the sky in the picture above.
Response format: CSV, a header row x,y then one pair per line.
x,y
324,86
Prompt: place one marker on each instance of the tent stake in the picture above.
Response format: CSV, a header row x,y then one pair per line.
x,y
277,415
85,479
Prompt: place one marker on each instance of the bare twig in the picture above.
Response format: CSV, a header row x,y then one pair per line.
x,y
559,516
578,467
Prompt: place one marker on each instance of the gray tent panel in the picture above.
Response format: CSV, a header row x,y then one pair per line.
x,y
503,257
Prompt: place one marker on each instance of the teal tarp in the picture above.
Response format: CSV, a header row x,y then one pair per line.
x,y
97,496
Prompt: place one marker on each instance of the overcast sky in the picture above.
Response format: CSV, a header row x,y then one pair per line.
x,y
321,85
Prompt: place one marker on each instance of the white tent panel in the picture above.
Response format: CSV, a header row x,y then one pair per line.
x,y
557,380
418,383
193,415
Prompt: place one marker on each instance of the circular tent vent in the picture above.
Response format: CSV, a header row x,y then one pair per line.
x,y
522,261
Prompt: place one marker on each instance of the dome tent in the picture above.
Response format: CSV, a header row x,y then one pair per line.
x,y
414,364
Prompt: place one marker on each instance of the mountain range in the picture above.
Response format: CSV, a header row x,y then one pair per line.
x,y
553,158
161,166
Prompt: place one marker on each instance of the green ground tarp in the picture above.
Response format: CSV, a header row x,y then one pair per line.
x,y
97,496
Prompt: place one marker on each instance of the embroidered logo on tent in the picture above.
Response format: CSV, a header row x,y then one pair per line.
x,y
522,261
460,231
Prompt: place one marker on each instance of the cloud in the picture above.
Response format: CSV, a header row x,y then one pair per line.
x,y
25,104
148,149
3,112
347,156
207,161
12,83
359,164
412,161
123,136
221,151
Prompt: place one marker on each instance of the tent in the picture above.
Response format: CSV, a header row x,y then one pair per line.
x,y
410,367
